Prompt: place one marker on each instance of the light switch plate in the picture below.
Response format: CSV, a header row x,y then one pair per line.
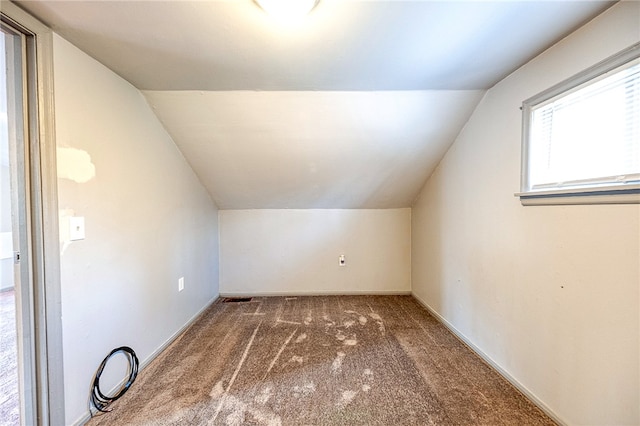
x,y
76,228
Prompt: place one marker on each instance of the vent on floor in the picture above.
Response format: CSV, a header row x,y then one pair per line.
x,y
236,299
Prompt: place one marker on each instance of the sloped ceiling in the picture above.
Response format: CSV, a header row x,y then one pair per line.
x,y
351,107
314,149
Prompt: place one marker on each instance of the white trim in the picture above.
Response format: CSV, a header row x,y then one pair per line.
x,y
316,293
583,190
597,191
530,395
608,194
581,199
602,67
50,244
44,217
143,364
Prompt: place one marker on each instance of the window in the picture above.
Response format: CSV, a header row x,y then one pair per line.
x,y
581,138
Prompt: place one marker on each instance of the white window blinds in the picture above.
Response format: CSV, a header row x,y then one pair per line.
x,y
589,135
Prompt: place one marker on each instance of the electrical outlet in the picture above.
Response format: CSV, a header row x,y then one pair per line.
x,y
342,261
181,284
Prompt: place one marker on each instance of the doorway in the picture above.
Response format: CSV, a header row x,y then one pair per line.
x,y
31,376
16,347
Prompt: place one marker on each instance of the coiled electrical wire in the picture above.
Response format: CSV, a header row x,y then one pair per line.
x,y
101,401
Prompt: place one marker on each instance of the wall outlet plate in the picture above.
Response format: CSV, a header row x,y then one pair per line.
x,y
180,283
76,228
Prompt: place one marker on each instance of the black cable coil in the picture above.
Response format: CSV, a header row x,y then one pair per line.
x,y
101,401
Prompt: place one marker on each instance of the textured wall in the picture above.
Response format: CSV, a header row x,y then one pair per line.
x,y
550,294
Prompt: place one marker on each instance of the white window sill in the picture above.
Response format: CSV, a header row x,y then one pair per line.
x,y
614,194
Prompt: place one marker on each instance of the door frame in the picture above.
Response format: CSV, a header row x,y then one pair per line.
x,y
43,265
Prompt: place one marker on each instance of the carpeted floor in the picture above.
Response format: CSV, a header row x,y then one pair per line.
x,y
349,360
9,404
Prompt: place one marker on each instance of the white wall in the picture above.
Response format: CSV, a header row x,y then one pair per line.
x,y
296,251
6,236
149,221
550,294
6,242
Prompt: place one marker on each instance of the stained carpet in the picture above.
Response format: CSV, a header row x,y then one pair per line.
x,y
348,360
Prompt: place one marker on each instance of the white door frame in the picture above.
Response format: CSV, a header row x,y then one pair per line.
x,y
42,265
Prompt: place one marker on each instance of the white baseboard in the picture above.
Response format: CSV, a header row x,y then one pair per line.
x,y
532,397
177,334
316,293
87,415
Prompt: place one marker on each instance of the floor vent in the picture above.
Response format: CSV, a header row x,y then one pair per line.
x,y
236,299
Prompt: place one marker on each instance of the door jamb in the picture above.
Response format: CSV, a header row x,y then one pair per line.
x,y
50,407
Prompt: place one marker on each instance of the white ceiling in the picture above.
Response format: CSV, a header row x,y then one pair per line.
x,y
350,108
341,45
314,149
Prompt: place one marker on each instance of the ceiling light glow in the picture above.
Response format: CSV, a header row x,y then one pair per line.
x,y
287,10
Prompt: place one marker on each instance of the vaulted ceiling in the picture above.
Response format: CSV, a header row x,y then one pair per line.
x,y
351,107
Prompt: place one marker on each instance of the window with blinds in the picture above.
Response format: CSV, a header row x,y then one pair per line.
x,y
583,135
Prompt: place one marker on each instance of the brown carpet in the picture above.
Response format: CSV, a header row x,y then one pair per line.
x,y
9,402
349,360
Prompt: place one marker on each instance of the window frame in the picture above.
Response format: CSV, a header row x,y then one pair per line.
x,y
620,193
